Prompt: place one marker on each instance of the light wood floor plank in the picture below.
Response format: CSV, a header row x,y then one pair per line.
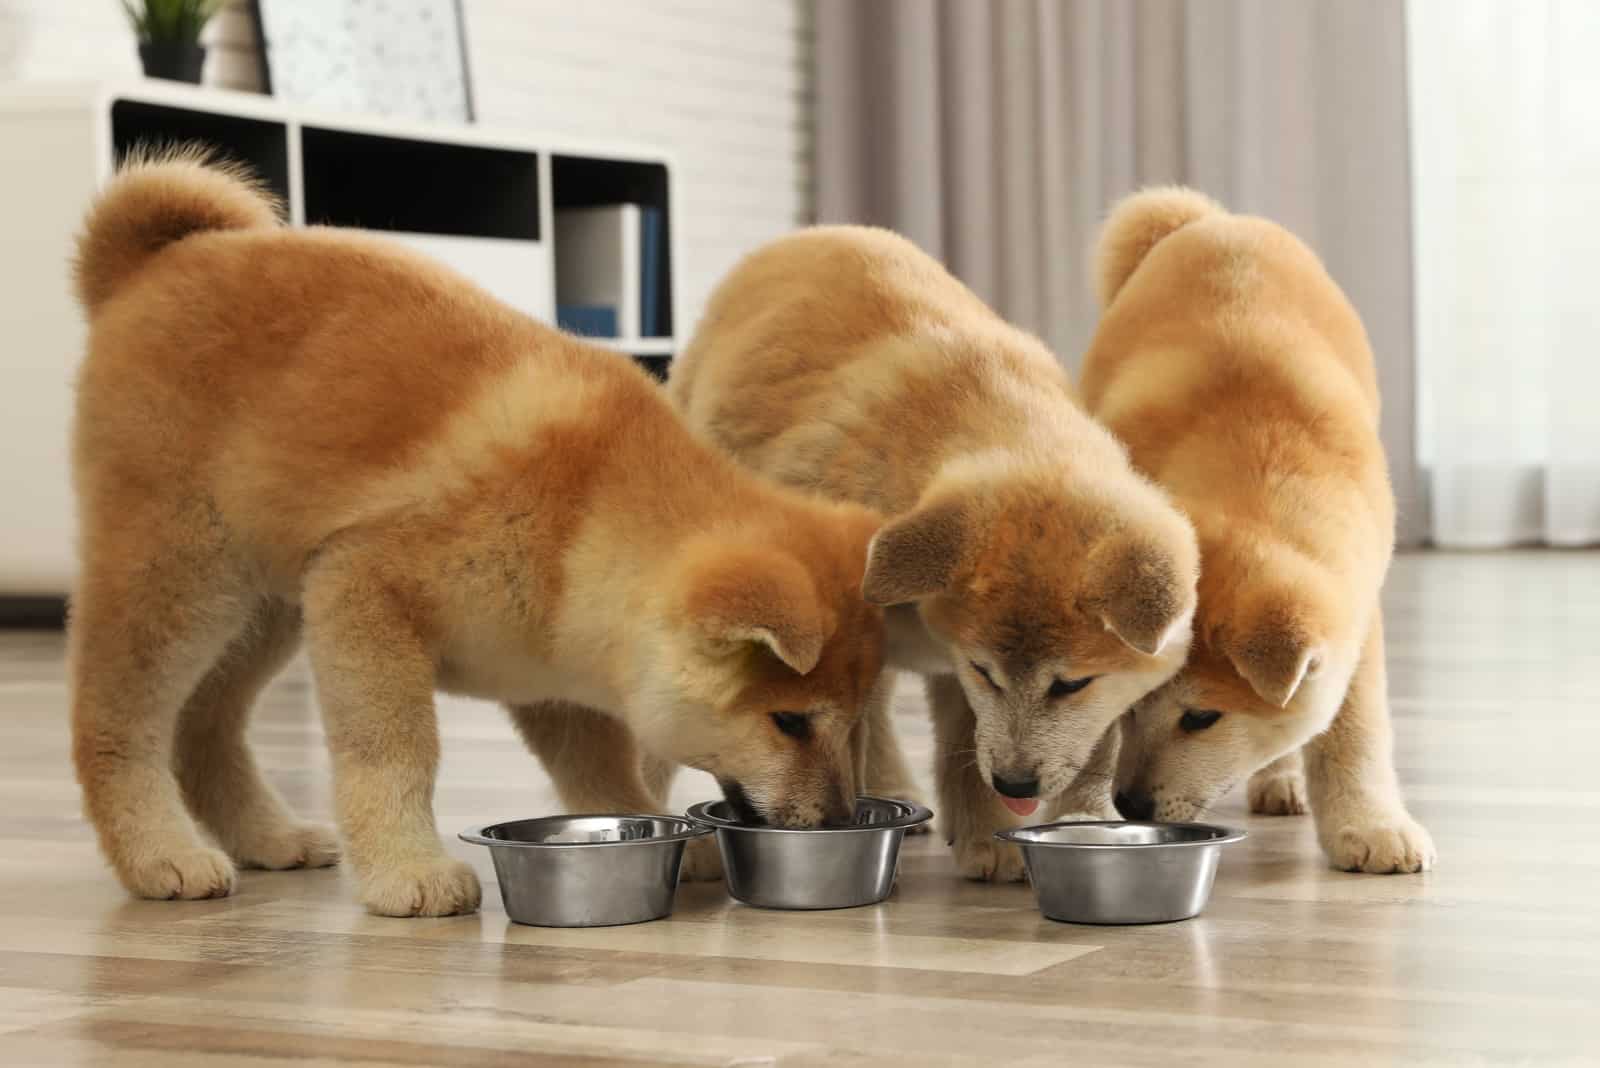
x,y
1493,958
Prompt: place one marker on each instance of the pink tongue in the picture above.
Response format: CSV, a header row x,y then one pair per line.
x,y
1022,806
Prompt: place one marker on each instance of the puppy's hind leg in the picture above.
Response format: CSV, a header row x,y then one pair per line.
x,y
1279,789
143,632
591,757
597,767
224,788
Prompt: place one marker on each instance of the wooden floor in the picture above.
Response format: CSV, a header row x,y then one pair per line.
x,y
1493,958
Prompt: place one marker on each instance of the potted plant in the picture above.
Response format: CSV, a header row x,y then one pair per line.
x,y
169,36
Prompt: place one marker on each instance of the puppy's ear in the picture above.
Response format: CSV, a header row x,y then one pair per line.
x,y
1146,593
741,594
1274,646
915,555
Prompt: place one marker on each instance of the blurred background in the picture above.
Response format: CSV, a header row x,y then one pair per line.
x,y
1443,156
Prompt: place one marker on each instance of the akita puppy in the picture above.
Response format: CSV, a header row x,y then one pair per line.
x,y
1240,378
284,431
1042,585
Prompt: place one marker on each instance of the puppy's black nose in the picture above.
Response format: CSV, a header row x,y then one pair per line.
x,y
1015,787
1135,804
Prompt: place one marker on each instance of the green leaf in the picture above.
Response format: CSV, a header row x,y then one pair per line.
x,y
170,20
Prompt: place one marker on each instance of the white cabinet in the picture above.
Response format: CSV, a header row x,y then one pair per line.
x,y
518,272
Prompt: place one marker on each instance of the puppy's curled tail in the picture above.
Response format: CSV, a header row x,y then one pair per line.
x,y
157,198
1135,226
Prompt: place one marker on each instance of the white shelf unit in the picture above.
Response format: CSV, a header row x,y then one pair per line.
x,y
483,201
644,348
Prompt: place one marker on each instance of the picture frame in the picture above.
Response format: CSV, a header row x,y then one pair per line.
x,y
394,58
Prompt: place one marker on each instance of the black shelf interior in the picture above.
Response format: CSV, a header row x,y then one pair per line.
x,y
391,183
261,145
587,181
658,366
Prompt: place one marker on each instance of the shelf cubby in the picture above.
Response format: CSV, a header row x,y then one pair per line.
x,y
379,182
578,181
260,144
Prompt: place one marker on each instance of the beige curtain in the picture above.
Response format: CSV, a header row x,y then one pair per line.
x,y
996,133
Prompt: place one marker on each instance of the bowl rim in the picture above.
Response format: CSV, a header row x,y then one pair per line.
x,y
913,815
1224,836
479,835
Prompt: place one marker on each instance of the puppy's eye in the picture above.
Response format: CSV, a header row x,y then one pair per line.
x,y
1068,687
983,671
796,725
1198,721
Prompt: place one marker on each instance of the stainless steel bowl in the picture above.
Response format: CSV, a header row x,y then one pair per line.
x,y
1132,872
587,871
813,867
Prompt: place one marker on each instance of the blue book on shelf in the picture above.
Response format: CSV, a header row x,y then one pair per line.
x,y
651,259
587,320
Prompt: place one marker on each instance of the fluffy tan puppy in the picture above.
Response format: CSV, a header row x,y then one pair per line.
x,y
1039,583
283,432
1241,379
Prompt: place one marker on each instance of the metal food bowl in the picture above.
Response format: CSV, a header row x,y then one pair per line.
x,y
1134,872
587,871
813,867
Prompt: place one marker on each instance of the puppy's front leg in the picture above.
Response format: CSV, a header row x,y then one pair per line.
x,y
597,767
883,770
375,680
1361,819
970,811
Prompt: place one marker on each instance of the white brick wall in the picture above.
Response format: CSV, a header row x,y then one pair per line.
x,y
723,84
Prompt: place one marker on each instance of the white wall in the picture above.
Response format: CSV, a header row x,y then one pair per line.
x,y
723,84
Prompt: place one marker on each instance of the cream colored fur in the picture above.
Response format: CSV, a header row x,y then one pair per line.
x,y
1241,379
1024,553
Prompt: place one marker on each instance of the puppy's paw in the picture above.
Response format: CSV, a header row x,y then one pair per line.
x,y
1079,806
1395,844
1090,815
988,861
188,874
1278,794
289,845
432,887
702,861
